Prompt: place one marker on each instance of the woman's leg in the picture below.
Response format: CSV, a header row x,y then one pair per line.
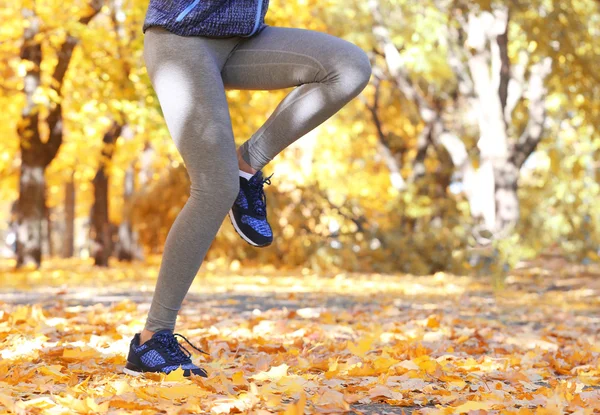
x,y
186,75
328,72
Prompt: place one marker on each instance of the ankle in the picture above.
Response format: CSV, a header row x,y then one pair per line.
x,y
145,335
243,166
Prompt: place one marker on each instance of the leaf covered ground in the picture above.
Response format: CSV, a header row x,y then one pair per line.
x,y
296,342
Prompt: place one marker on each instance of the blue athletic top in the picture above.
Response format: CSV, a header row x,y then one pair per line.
x,y
211,18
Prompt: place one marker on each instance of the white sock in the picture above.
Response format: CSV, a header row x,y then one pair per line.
x,y
245,175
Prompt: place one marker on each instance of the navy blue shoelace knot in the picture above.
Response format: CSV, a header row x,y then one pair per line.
x,y
176,351
257,193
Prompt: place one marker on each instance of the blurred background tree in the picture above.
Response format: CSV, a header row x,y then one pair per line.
x,y
474,146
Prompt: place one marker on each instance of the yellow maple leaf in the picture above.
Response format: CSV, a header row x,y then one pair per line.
x,y
296,408
384,362
239,379
291,384
473,406
132,405
333,369
433,322
53,371
40,403
148,394
274,374
86,405
181,391
362,347
175,375
11,404
117,387
96,408
331,398
381,390
79,354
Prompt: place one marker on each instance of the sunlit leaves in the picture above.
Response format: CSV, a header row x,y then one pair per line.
x,y
322,344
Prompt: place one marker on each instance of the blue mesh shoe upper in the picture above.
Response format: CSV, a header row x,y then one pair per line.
x,y
241,200
260,226
249,211
162,353
152,358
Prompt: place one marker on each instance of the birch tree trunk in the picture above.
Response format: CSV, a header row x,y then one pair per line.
x,y
492,87
501,155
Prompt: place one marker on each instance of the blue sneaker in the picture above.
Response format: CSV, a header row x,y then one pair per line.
x,y
248,214
162,353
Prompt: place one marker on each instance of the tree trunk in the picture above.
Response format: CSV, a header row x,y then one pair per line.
x,y
146,160
100,226
502,156
506,176
48,229
146,171
36,155
126,249
69,240
99,221
491,84
30,215
496,190
385,150
31,178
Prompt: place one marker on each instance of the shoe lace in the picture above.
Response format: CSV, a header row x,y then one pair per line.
x,y
258,194
176,351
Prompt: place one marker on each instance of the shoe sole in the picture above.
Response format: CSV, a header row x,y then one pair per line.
x,y
239,232
132,370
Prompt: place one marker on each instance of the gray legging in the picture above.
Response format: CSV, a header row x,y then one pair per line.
x,y
189,75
